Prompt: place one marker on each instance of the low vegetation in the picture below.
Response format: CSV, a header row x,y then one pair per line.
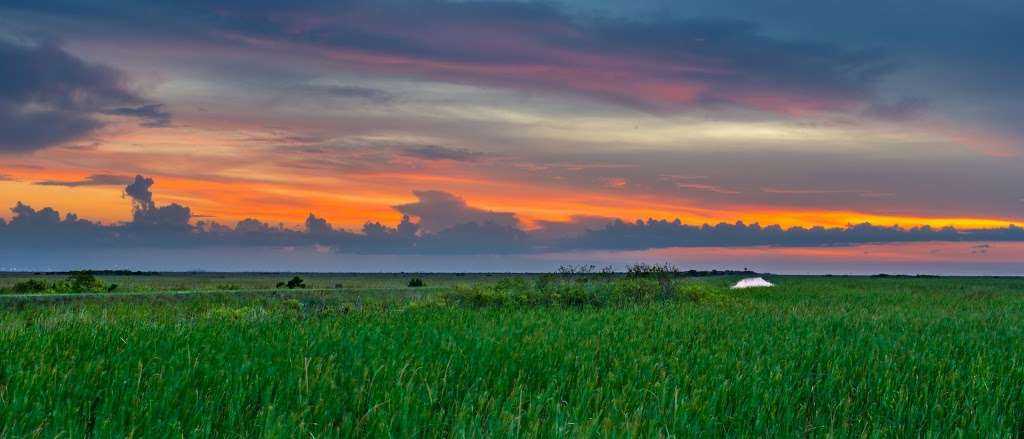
x,y
572,291
537,356
76,282
293,283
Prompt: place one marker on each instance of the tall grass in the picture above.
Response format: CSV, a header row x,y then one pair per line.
x,y
816,356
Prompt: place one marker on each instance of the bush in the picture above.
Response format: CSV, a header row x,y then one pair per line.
x,y
661,271
295,282
29,286
476,295
84,282
416,282
512,284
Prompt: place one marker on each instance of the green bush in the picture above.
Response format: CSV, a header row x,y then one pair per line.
x,y
476,295
416,282
80,282
295,282
29,286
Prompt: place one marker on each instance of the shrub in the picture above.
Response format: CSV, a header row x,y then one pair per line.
x,y
665,270
84,282
512,284
576,295
29,286
295,282
545,282
476,295
416,282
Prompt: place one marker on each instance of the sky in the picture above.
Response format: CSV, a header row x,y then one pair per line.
x,y
476,135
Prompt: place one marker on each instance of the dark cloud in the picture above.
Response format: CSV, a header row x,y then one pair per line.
x,y
26,132
152,115
640,235
435,152
146,214
437,210
92,180
577,225
317,226
447,226
173,216
138,190
49,97
667,64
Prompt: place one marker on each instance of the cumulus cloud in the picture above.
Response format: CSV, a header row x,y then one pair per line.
x,y
49,97
138,190
145,213
171,216
446,225
577,225
437,210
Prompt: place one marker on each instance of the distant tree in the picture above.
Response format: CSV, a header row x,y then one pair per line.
x,y
416,282
84,282
295,282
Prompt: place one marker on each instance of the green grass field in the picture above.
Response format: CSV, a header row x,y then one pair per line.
x,y
818,356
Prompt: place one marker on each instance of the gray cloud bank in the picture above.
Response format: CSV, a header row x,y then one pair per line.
x,y
49,97
439,223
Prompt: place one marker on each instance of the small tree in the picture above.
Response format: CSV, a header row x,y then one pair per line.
x,y
295,282
416,282
84,282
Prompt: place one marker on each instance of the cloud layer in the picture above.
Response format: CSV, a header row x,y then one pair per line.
x,y
669,64
439,223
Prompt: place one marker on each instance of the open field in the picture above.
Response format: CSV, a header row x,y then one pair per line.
x,y
162,282
473,356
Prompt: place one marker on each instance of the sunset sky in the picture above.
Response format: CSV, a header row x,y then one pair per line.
x,y
547,118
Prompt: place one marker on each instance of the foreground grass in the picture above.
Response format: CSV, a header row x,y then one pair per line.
x,y
820,356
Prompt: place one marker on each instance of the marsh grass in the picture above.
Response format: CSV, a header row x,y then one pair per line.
x,y
814,356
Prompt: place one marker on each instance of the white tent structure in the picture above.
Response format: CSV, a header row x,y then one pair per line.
x,y
753,282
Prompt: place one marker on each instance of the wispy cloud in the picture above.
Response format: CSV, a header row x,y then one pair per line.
x,y
92,180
